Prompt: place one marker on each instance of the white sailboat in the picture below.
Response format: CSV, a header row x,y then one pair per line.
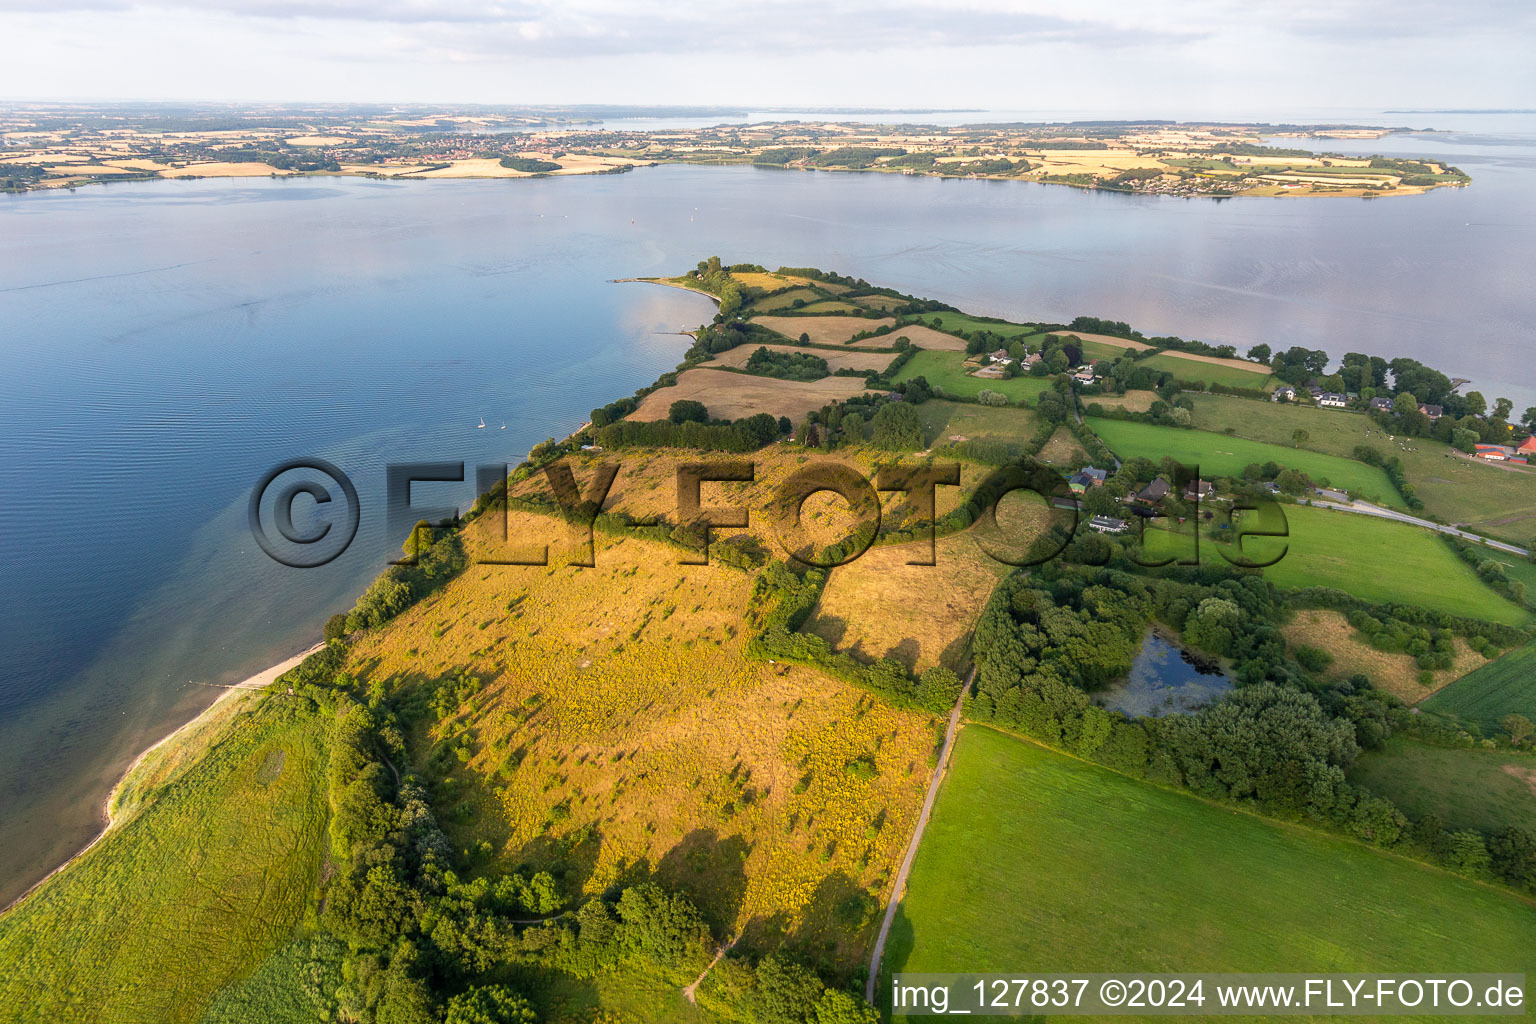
x,y
482,424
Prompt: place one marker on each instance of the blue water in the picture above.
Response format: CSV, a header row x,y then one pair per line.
x,y
166,343
1164,681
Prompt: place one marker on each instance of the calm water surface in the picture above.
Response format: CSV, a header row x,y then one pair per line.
x,y
165,343
1164,681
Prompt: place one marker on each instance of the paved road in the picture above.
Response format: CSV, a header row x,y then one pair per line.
x,y
1366,509
917,836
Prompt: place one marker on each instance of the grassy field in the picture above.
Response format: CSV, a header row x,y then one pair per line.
x,y
962,322
851,359
921,615
823,330
1504,687
1064,450
785,299
1131,401
942,420
622,730
733,396
1397,674
213,868
1187,367
1222,455
947,370
925,338
1498,501
1374,559
1486,789
1035,861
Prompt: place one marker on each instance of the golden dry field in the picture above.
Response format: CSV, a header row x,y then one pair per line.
x,y
732,396
826,330
1397,674
852,359
622,731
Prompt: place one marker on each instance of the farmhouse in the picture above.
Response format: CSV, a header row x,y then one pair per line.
x,y
1031,359
1084,375
1528,446
1085,478
1000,356
1493,452
1157,490
1332,399
1434,412
1107,524
1381,404
1197,489
1285,394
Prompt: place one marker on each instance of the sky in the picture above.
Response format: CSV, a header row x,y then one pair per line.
x,y
1114,57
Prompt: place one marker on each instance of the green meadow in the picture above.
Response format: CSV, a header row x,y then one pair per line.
x,y
1374,559
1008,423
1210,373
1037,861
947,370
1484,697
1485,789
1224,455
1496,500
213,871
963,322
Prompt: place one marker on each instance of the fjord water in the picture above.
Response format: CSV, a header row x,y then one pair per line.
x,y
166,343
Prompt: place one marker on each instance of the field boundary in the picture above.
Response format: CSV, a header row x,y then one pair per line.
x,y
898,887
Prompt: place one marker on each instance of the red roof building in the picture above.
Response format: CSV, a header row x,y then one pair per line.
x,y
1528,446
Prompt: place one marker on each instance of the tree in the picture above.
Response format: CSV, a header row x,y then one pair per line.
x,y
1476,404
686,410
1259,353
853,427
1299,437
838,1007
1529,419
1501,409
1292,482
1464,440
897,427
1519,728
489,1004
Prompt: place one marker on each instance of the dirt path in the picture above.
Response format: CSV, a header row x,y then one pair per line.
x,y
693,987
917,835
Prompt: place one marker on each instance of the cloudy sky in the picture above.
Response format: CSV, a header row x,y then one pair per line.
x,y
1124,57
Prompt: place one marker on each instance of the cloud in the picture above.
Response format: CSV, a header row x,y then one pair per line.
x,y
460,30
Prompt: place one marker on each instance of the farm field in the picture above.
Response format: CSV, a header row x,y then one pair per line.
x,y
1032,857
943,420
1397,674
1104,342
1506,686
732,396
823,330
1374,559
962,322
947,370
1188,366
925,338
213,867
1223,455
622,730
1500,502
1063,450
830,306
846,360
1130,401
922,615
1485,789
785,299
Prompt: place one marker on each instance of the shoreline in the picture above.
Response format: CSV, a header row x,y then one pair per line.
x,y
254,683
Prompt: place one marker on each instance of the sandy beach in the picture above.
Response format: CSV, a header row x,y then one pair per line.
x,y
259,681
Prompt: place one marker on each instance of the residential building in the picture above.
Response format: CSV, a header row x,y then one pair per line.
x,y
1107,524
1493,452
1333,400
1157,490
1197,489
1434,412
1285,394
1382,404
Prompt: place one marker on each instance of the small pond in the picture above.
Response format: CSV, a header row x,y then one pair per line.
x,y
1164,680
